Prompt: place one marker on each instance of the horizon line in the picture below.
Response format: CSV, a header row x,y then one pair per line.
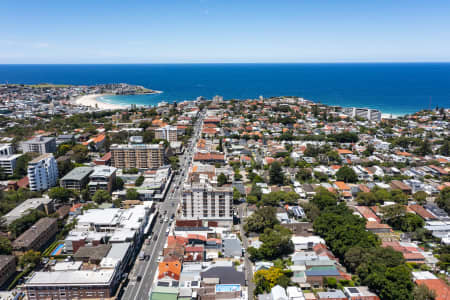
x,y
229,63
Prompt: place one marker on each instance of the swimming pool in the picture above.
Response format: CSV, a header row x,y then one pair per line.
x,y
223,288
58,250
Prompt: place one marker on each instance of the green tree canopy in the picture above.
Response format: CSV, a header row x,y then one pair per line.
x,y
276,173
60,194
222,179
132,194
29,259
101,196
346,174
5,246
264,217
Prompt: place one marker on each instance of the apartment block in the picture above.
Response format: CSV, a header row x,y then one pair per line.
x,y
8,163
168,133
102,178
35,237
205,201
39,145
141,156
363,113
7,267
6,149
77,179
43,172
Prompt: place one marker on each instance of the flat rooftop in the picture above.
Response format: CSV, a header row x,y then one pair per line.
x,y
24,207
78,173
103,171
71,278
135,146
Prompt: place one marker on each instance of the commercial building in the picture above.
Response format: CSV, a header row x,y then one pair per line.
x,y
102,178
79,284
106,240
39,145
168,133
77,179
42,172
35,237
203,200
7,267
142,156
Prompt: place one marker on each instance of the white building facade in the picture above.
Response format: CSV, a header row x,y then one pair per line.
x,y
203,201
43,172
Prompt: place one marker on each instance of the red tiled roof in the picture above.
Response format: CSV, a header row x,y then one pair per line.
x,y
195,249
438,285
376,225
422,212
209,156
342,186
368,214
169,268
196,237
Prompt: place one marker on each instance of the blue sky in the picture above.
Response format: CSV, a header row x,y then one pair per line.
x,y
202,31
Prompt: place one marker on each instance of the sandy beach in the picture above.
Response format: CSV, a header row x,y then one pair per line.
x,y
92,101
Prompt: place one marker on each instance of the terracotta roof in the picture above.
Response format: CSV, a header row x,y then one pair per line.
x,y
422,212
169,268
196,237
376,225
368,214
364,188
209,156
344,151
176,240
403,153
438,285
342,186
195,249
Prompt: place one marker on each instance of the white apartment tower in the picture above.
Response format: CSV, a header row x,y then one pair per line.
x,y
168,133
43,172
204,201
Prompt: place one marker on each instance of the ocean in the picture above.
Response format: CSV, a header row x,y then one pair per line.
x,y
395,88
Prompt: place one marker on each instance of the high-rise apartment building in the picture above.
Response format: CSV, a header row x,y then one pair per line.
x,y
205,201
39,145
42,172
141,156
168,133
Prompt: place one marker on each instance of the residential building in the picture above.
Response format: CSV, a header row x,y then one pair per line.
x,y
6,149
360,293
36,236
43,172
7,267
102,178
142,156
8,163
42,204
202,200
77,179
39,145
168,133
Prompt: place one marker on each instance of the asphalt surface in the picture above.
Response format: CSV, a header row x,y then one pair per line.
x,y
146,269
247,262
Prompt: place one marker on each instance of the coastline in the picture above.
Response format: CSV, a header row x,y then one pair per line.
x,y
92,100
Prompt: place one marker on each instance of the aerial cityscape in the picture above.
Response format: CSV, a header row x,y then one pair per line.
x,y
202,150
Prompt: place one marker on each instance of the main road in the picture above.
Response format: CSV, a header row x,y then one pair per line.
x,y
146,269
